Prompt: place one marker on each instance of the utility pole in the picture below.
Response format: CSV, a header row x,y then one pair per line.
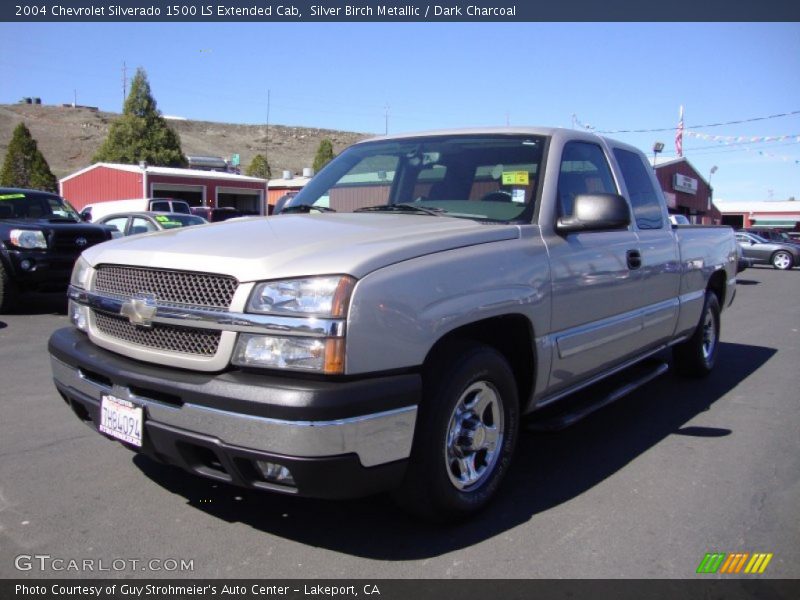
x,y
266,159
386,119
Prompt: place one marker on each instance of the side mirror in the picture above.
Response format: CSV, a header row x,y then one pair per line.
x,y
596,212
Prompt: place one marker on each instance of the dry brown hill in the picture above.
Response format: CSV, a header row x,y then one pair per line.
x,y
68,137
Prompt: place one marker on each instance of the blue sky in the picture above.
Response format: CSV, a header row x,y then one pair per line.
x,y
431,75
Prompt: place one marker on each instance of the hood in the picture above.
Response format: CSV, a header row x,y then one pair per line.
x,y
299,245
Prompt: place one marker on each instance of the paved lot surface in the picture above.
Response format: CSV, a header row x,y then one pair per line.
x,y
643,488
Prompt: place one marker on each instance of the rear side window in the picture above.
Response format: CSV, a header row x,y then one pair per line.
x,y
584,170
160,206
644,200
181,207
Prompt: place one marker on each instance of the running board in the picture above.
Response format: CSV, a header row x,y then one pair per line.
x,y
572,409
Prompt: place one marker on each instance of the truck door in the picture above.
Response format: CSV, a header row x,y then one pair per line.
x,y
596,316
660,269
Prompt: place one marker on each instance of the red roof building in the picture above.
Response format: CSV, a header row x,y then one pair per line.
x,y
110,181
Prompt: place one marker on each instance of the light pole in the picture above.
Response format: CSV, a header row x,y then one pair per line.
x,y
657,148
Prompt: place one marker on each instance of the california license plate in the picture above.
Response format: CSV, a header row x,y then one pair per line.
x,y
121,419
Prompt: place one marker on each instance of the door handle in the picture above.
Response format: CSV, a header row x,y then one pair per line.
x,y
634,259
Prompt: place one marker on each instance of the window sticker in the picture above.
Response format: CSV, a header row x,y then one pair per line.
x,y
518,195
515,178
11,196
162,219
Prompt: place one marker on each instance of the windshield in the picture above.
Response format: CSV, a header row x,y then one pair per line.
x,y
36,205
484,177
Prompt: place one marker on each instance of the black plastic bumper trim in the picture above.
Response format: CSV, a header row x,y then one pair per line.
x,y
248,393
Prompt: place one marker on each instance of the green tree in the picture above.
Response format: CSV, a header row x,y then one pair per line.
x,y
141,133
259,167
324,155
25,166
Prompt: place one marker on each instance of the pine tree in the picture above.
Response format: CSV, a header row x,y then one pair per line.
x,y
259,167
141,133
324,155
25,166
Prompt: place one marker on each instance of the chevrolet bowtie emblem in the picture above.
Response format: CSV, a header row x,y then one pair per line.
x,y
140,310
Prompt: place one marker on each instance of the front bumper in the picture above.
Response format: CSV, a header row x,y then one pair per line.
x,y
337,438
40,270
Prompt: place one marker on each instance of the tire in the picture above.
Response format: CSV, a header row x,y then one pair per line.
x,y
782,260
467,429
8,291
696,356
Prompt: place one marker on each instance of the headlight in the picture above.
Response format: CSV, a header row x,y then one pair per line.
x,y
28,239
292,353
81,273
309,298
318,296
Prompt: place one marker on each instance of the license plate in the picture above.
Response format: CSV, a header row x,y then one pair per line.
x,y
121,419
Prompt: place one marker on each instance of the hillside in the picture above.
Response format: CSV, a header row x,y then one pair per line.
x,y
69,137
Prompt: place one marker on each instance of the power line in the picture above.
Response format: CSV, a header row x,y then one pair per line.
x,y
672,128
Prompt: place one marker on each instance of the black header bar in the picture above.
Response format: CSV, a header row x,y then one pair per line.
x,y
289,11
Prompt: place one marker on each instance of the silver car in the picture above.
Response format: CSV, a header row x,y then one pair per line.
x,y
778,254
134,223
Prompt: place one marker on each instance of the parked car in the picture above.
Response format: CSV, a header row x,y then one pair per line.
x,y
773,235
478,276
215,215
780,255
135,223
41,235
742,262
98,210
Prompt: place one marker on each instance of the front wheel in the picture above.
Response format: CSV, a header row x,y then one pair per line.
x,y
696,356
782,260
466,432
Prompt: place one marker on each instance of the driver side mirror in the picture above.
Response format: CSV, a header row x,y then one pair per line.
x,y
596,212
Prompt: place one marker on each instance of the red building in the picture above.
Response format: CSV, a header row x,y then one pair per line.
x,y
687,192
108,181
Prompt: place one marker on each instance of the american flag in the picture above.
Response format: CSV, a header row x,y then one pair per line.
x,y
679,135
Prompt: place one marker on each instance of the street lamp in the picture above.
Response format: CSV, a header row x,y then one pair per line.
x,y
657,148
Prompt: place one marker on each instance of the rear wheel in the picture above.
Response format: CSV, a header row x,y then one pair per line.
x,y
696,356
8,291
466,432
782,260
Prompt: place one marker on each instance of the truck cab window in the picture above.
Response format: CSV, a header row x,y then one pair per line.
x,y
584,170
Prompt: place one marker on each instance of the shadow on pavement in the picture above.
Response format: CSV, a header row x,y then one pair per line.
x,y
40,304
548,470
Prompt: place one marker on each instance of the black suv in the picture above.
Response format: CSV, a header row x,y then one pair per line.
x,y
41,236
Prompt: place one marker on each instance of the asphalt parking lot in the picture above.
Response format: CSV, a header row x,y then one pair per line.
x,y
642,489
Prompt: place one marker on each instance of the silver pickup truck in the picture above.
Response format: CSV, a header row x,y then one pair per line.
x,y
390,329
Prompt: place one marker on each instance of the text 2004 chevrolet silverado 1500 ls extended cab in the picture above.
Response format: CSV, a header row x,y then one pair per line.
x,y
389,329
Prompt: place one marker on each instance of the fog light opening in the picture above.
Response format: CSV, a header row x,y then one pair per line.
x,y
27,265
275,473
79,316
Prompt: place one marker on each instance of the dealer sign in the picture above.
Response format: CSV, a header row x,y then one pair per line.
x,y
682,183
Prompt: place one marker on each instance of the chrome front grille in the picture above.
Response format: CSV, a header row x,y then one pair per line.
x,y
168,287
200,342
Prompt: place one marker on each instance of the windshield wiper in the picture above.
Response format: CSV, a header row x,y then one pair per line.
x,y
407,208
304,208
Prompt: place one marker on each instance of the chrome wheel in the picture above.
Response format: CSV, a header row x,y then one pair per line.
x,y
474,436
709,342
782,261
